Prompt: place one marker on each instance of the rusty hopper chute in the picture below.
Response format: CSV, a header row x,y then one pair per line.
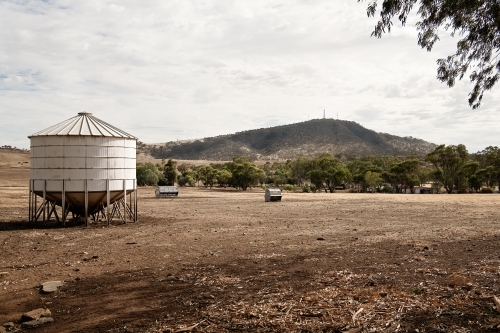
x,y
84,166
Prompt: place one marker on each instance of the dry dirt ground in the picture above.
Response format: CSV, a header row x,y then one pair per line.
x,y
226,261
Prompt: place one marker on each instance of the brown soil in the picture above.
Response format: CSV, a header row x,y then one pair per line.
x,y
143,158
14,167
229,262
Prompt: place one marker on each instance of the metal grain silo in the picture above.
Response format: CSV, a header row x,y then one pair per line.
x,y
84,166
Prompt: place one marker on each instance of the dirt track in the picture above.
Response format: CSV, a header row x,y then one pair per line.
x,y
227,261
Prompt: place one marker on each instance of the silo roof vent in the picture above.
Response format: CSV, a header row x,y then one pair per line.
x,y
84,124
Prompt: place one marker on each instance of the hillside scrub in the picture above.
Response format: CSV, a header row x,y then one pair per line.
x,y
310,139
450,167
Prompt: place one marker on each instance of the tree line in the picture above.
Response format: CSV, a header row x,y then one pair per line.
x,y
449,167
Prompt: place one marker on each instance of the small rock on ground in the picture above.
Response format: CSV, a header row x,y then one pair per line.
x,y
51,286
9,326
36,314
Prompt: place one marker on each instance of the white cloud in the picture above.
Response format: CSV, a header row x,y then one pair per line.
x,y
187,69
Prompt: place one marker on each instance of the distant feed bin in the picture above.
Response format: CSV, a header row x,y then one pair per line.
x,y
273,194
166,191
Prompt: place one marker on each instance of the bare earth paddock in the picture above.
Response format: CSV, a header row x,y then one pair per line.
x,y
226,261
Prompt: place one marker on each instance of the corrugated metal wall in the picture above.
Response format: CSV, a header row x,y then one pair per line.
x,y
73,158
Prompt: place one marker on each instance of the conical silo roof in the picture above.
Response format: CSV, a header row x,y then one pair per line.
x,y
84,124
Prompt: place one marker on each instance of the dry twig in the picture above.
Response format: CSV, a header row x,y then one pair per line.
x,y
497,302
356,314
188,329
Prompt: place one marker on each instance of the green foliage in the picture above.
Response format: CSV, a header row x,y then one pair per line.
x,y
489,164
162,182
317,178
244,173
207,175
278,173
289,187
451,166
184,167
404,174
170,172
361,166
328,172
373,179
300,167
387,189
224,177
478,24
188,177
147,174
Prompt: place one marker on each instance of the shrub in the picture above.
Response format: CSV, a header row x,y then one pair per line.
x,y
306,188
162,182
289,187
387,189
313,188
181,181
486,190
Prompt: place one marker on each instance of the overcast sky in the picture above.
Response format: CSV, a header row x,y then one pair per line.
x,y
175,70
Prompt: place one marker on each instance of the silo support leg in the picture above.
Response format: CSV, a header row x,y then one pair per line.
x,y
63,203
124,201
135,200
65,214
118,210
41,210
86,204
52,209
34,208
130,213
44,202
30,216
113,212
107,202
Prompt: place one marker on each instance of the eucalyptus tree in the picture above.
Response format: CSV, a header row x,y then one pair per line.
x,y
170,172
243,173
328,172
450,165
359,168
147,174
477,22
300,167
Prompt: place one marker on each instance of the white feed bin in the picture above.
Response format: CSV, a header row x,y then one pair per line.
x,y
84,166
166,191
272,194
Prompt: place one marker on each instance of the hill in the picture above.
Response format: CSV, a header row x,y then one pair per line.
x,y
310,138
14,167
